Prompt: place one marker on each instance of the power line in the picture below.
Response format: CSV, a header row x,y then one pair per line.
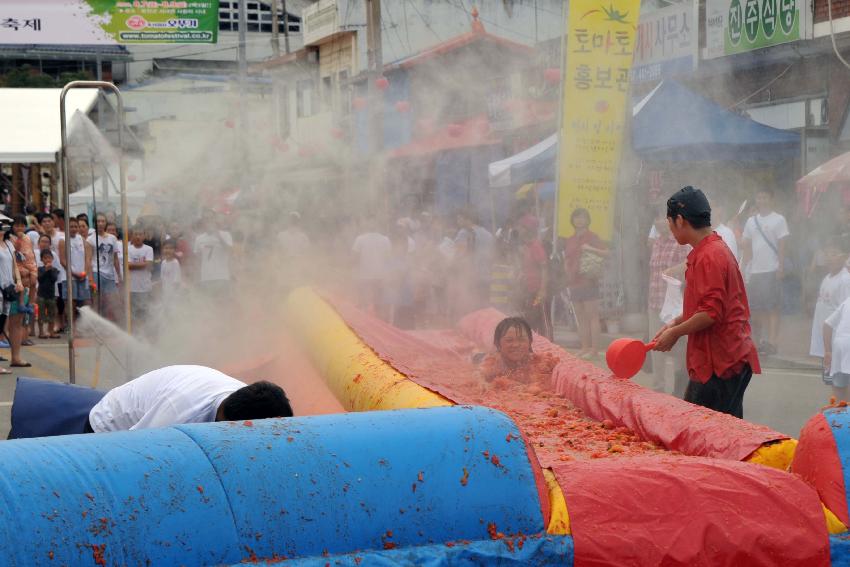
x,y
424,21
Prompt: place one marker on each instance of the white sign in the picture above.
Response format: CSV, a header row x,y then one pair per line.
x,y
666,43
320,21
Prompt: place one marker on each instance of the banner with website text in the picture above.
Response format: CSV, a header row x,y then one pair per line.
x,y
108,22
600,42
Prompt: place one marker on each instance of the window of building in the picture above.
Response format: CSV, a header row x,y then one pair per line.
x,y
304,98
327,91
253,17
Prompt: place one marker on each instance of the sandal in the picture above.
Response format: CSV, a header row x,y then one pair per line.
x,y
27,343
21,364
5,371
43,336
54,337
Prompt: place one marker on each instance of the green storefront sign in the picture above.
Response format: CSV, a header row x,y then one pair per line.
x,y
157,21
737,26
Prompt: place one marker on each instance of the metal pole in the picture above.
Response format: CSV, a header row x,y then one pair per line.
x,y
66,198
275,31
285,28
243,25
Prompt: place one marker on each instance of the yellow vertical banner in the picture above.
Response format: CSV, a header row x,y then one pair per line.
x,y
600,42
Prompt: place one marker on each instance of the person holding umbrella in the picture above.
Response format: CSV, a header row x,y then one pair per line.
x,y
721,356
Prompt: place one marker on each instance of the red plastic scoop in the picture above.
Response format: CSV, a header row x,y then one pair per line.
x,y
625,356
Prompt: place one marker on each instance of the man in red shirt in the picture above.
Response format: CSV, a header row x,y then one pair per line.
x,y
721,356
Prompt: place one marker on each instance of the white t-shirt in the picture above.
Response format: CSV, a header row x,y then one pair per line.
x,y
839,320
57,261
78,254
107,247
7,271
294,243
140,280
171,277
374,252
33,235
728,236
214,251
775,228
833,291
163,397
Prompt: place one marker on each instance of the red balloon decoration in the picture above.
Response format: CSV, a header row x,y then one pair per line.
x,y
552,75
402,106
381,83
358,103
455,130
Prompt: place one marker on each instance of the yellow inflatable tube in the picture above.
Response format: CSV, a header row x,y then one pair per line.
x,y
357,377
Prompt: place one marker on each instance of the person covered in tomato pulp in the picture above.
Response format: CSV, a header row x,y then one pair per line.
x,y
514,361
721,355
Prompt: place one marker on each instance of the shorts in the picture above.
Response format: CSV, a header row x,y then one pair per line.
x,y
15,306
725,395
81,290
837,380
139,302
105,285
587,293
764,292
46,310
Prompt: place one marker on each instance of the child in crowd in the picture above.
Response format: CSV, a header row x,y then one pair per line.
x,y
834,289
140,262
171,275
47,277
43,244
836,355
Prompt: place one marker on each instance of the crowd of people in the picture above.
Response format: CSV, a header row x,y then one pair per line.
x,y
162,262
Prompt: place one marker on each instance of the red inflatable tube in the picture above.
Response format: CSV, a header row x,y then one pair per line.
x,y
818,462
660,418
678,510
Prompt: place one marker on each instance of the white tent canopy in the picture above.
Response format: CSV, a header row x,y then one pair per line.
x,y
29,122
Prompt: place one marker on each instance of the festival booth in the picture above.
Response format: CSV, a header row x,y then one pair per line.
x,y
672,124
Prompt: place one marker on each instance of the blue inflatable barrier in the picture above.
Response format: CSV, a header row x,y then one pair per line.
x,y
43,408
519,552
221,493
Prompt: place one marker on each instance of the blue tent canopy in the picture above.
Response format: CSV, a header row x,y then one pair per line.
x,y
676,124
671,124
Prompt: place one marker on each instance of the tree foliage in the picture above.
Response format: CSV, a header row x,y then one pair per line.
x,y
26,76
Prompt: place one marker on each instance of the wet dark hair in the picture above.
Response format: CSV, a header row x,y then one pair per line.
x,y
19,219
579,212
506,325
58,213
46,254
83,216
260,400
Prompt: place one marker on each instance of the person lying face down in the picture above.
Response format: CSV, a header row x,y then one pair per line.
x,y
185,394
514,358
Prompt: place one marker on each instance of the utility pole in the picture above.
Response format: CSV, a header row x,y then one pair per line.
x,y
101,119
285,27
243,58
275,31
376,115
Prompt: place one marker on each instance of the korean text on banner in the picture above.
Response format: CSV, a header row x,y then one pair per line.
x,y
108,22
600,43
